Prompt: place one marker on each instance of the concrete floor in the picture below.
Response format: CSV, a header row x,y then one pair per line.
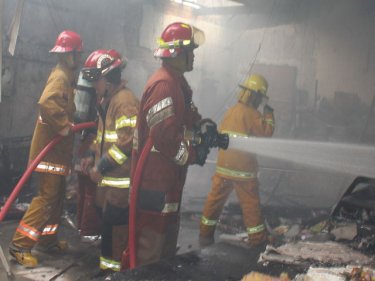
x,y
80,261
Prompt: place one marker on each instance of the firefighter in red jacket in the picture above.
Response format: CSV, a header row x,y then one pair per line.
x,y
109,165
168,116
56,108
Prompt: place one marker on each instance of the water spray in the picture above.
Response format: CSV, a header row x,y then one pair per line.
x,y
339,157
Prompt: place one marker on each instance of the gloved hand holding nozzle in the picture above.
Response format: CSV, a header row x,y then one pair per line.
x,y
209,136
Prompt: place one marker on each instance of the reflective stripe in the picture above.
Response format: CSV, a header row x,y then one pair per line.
x,y
160,116
126,122
47,167
164,103
255,229
28,231
236,173
182,154
159,112
117,154
99,136
135,139
115,182
208,222
173,44
269,122
170,208
235,134
50,229
109,264
110,136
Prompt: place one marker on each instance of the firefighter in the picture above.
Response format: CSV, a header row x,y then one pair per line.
x,y
110,165
169,117
251,116
56,108
87,218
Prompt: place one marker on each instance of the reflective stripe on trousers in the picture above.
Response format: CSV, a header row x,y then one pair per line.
x,y
47,167
50,229
109,264
255,229
208,222
28,231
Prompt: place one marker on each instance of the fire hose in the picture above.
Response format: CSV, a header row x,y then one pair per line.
x,y
35,163
129,255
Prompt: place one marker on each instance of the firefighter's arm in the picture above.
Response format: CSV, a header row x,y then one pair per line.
x,y
167,134
53,104
196,115
126,117
261,125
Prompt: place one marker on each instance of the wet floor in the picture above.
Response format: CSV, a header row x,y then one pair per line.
x,y
221,261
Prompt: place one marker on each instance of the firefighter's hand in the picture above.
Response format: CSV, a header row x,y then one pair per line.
x,y
86,164
67,130
267,109
95,175
201,152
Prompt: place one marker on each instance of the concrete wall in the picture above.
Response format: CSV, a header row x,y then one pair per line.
x,y
308,50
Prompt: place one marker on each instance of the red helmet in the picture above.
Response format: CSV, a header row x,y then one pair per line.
x,y
178,37
67,41
117,55
101,62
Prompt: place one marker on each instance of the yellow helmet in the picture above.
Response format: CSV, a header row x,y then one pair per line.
x,y
255,82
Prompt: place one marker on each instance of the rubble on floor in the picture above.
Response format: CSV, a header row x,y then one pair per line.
x,y
256,276
305,252
348,273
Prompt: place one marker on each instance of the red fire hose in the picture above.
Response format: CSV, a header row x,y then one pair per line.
x,y
130,256
35,163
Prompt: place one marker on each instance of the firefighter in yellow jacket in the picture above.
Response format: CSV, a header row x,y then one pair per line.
x,y
56,109
238,170
118,109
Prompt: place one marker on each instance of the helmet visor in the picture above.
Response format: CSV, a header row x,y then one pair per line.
x,y
198,36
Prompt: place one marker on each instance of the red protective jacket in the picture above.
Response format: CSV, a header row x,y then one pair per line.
x,y
166,112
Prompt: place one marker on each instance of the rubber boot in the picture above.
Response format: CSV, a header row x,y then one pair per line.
x,y
23,256
205,241
60,245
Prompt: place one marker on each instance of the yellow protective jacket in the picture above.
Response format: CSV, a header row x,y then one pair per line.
x,y
56,109
244,121
115,140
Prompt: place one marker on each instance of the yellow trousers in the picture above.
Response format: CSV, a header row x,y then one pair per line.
x,y
41,220
248,196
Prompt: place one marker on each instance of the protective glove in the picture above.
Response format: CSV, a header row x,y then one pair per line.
x,y
263,103
267,109
208,132
201,152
